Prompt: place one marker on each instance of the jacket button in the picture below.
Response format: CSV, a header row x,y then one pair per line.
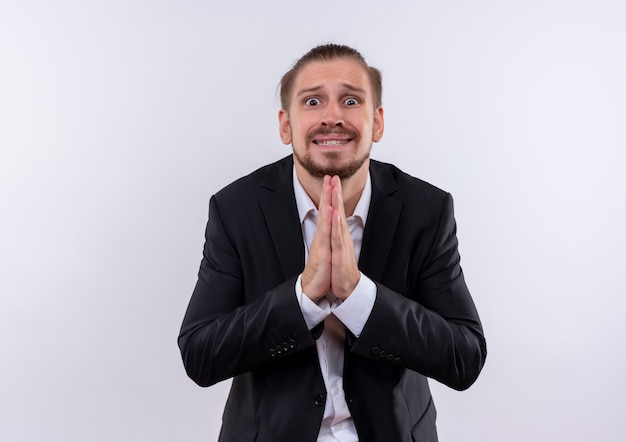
x,y
397,361
272,352
375,350
285,347
390,357
382,354
318,400
279,349
292,343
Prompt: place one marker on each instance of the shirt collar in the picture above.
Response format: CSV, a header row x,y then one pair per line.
x,y
305,204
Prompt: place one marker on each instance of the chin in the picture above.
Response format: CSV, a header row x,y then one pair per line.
x,y
332,166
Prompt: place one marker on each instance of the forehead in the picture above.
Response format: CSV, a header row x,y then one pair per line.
x,y
332,74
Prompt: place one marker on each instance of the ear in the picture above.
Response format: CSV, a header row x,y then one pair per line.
x,y
284,126
379,124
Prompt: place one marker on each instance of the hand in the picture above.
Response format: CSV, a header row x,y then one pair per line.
x,y
344,272
331,265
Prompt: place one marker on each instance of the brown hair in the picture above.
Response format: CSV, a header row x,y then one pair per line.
x,y
329,52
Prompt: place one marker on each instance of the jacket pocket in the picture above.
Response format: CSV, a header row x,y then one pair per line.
x,y
425,430
236,428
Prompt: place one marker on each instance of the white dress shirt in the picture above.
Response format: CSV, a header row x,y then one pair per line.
x,y
337,423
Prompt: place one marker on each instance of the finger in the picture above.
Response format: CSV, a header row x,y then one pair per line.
x,y
316,277
324,215
337,232
344,272
324,225
337,196
326,194
341,244
340,224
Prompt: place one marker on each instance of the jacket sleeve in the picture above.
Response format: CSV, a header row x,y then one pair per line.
x,y
434,329
225,332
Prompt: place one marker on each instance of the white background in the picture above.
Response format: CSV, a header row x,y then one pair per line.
x,y
119,119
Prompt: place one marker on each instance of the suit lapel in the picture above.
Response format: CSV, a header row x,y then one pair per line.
x,y
278,204
279,208
382,222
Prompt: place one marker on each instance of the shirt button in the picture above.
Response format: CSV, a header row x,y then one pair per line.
x,y
318,400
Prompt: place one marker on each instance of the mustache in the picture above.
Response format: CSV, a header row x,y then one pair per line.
x,y
345,131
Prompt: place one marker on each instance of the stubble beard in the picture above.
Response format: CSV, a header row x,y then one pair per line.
x,y
343,172
333,158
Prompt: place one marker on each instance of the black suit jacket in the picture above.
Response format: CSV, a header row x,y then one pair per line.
x,y
243,320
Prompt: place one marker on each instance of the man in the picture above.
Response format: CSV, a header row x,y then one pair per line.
x,y
330,286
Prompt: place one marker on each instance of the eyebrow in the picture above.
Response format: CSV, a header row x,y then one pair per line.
x,y
314,89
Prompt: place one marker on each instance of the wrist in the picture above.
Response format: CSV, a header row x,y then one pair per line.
x,y
313,293
345,290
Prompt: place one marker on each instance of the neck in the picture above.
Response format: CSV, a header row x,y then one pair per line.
x,y
352,187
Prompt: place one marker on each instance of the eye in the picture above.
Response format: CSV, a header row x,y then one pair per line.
x,y
351,101
312,102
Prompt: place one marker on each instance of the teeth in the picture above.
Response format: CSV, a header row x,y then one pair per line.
x,y
331,142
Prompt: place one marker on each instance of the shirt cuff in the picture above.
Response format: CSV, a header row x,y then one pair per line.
x,y
313,313
355,310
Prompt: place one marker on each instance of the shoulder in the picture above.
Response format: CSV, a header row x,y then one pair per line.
x,y
270,176
422,206
400,185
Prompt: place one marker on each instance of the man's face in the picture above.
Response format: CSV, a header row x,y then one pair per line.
x,y
331,121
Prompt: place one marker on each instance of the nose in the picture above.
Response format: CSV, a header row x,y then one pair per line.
x,y
333,115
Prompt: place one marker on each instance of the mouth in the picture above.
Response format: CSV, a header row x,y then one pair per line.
x,y
332,143
332,138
